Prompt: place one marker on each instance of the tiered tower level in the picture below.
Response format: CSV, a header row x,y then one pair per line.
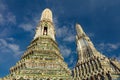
x,y
91,64
42,59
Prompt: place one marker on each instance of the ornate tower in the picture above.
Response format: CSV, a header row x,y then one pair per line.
x,y
46,26
42,59
91,64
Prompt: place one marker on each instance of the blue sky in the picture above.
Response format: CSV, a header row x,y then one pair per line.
x,y
100,19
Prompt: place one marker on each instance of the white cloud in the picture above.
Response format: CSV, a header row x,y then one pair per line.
x,y
30,25
65,51
3,43
65,32
2,6
10,39
26,27
6,16
69,38
108,47
15,48
91,34
9,47
71,60
11,18
55,20
36,19
114,46
61,31
4,31
1,19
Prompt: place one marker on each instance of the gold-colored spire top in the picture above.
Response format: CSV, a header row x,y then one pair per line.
x,y
79,30
47,15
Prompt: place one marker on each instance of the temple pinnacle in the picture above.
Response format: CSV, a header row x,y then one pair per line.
x,y
79,30
47,15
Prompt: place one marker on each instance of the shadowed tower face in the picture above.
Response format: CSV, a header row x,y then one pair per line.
x,y
85,47
92,65
42,59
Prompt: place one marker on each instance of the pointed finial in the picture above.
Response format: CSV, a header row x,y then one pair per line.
x,y
47,15
79,30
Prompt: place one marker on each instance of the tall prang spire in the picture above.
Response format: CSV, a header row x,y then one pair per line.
x,y
91,64
46,26
85,46
42,60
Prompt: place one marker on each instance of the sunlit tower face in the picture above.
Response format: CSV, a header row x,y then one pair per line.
x,y
46,26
